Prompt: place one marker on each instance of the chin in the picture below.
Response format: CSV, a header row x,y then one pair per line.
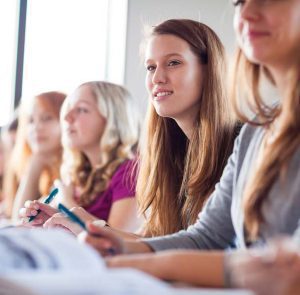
x,y
257,56
163,113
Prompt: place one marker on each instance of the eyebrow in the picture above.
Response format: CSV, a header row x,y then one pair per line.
x,y
84,101
166,56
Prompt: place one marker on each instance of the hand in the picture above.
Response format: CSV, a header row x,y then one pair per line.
x,y
272,270
60,219
31,209
103,239
40,161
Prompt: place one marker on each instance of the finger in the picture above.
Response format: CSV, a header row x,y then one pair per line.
x,y
27,212
37,221
56,220
31,204
47,209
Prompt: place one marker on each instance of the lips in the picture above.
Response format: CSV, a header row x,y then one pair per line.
x,y
160,94
252,34
39,138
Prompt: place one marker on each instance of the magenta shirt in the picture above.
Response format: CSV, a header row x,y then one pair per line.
x,y
122,185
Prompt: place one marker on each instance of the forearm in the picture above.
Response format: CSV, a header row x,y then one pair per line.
x,y
126,235
192,267
28,190
136,247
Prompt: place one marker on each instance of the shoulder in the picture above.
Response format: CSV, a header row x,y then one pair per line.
x,y
125,169
247,133
123,182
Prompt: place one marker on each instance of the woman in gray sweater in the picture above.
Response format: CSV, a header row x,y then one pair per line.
x,y
258,196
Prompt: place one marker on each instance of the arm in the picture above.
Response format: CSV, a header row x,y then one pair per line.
x,y
123,215
29,185
197,268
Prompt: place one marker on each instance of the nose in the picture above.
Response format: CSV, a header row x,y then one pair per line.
x,y
69,117
250,10
37,125
159,76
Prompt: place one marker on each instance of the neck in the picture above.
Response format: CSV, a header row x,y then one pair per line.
x,y
186,125
280,74
93,154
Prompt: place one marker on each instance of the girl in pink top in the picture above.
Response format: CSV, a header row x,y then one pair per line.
x,y
99,138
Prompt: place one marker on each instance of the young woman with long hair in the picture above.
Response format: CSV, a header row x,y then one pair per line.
x,y
190,129
36,157
258,194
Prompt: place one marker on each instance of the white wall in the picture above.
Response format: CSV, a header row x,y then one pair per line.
x,y
215,13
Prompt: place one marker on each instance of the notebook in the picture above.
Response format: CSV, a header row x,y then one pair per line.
x,y
44,262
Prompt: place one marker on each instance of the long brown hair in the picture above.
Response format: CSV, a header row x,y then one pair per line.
x,y
177,175
117,143
52,102
278,153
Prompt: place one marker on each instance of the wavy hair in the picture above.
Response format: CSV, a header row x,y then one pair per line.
x,y
176,175
52,102
277,154
118,142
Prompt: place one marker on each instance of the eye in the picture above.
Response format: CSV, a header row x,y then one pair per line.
x,y
236,3
173,63
150,68
30,120
46,118
81,110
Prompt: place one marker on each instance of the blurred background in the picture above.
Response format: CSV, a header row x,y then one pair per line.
x,y
59,44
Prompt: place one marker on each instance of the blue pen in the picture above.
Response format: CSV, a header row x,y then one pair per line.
x,y
47,201
71,215
77,220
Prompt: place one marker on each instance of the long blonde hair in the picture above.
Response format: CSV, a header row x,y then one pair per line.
x,y
176,175
52,102
277,154
118,141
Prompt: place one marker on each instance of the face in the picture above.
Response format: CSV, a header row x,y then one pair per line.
x,y
43,133
268,31
83,125
174,77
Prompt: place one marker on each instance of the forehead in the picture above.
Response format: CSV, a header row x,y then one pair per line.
x,y
162,45
37,105
82,94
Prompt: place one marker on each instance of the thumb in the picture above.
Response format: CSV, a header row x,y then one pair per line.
x,y
93,229
46,208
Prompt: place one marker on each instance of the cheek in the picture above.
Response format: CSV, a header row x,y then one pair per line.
x,y
30,134
238,27
55,131
192,85
148,83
